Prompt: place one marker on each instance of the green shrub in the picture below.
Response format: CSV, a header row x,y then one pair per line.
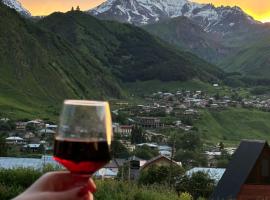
x,y
21,177
9,192
15,181
110,190
185,196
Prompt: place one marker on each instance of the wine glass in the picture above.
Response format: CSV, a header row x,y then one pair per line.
x,y
83,141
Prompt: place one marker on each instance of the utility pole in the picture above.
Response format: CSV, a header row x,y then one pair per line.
x,y
44,146
129,170
171,166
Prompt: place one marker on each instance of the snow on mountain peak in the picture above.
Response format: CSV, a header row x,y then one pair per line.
x,y
140,12
17,6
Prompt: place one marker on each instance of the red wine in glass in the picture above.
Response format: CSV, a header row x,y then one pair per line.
x,y
82,143
82,157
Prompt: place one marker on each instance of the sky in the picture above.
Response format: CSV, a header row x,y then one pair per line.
x,y
45,7
259,9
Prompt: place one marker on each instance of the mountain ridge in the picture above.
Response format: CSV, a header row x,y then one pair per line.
x,y
222,20
16,5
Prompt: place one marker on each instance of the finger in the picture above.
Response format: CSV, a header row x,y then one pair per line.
x,y
76,193
92,186
91,196
68,177
58,181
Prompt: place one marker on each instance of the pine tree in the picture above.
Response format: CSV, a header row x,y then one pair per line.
x,y
72,9
137,135
78,8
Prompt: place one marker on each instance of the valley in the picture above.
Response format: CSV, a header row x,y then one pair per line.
x,y
186,83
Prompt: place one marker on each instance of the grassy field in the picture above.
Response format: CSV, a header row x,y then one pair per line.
x,y
21,106
234,124
149,87
15,181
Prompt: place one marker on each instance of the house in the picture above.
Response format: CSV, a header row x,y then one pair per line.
x,y
135,164
165,153
190,112
212,157
46,131
105,173
150,145
168,109
37,123
124,130
150,122
128,145
177,123
115,164
159,161
31,147
52,127
4,119
21,126
165,150
29,135
248,174
15,140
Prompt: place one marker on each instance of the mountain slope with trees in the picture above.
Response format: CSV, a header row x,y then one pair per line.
x,y
253,60
39,69
188,35
129,52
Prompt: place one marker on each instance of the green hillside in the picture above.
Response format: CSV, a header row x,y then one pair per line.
x,y
142,88
39,69
129,52
188,35
232,125
253,60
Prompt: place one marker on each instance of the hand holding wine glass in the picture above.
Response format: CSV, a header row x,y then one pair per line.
x,y
82,145
60,186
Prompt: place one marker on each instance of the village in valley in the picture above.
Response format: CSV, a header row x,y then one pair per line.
x,y
155,125
160,131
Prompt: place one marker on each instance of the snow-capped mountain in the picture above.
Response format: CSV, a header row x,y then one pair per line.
x,y
17,6
141,12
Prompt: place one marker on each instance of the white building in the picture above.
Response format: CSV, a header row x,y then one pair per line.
x,y
15,140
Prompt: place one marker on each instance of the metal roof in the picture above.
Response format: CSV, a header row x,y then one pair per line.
x,y
105,172
35,163
14,138
214,173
